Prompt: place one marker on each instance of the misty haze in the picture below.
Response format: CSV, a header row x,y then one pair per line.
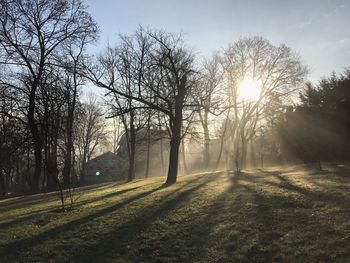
x,y
174,131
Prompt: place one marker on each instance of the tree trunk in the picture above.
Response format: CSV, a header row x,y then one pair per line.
x,y
70,144
174,151
38,166
52,173
243,153
175,125
68,162
132,148
131,170
83,165
148,147
237,153
68,156
161,148
173,160
185,170
206,148
52,169
37,140
162,157
206,141
221,147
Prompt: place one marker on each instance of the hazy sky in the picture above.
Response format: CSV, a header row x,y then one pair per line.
x,y
318,29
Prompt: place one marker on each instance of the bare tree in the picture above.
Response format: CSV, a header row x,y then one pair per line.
x,y
124,65
74,63
50,101
209,98
32,35
164,83
279,72
90,132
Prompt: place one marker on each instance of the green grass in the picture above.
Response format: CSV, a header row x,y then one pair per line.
x,y
276,215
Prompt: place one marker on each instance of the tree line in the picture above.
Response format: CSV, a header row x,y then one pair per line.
x,y
43,45
318,128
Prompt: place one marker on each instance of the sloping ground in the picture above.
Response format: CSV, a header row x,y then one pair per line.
x,y
277,215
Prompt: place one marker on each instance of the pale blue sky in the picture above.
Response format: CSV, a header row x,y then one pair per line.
x,y
317,29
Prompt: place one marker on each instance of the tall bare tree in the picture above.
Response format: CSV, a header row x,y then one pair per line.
x,y
209,97
163,83
279,72
90,132
74,62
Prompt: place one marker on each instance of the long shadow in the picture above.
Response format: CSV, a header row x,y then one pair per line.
x,y
326,196
195,237
256,230
37,213
106,196
288,216
116,243
270,218
264,223
28,217
28,200
34,200
10,250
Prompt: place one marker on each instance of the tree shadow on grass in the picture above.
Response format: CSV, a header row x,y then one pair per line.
x,y
37,214
246,224
105,196
27,218
331,195
117,243
31,200
25,202
12,250
216,232
278,228
192,240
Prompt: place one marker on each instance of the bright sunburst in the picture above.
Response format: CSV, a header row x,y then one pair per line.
x,y
249,89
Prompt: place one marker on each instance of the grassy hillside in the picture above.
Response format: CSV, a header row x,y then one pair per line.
x,y
276,215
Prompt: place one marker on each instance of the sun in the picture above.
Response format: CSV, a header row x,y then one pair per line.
x,y
249,89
